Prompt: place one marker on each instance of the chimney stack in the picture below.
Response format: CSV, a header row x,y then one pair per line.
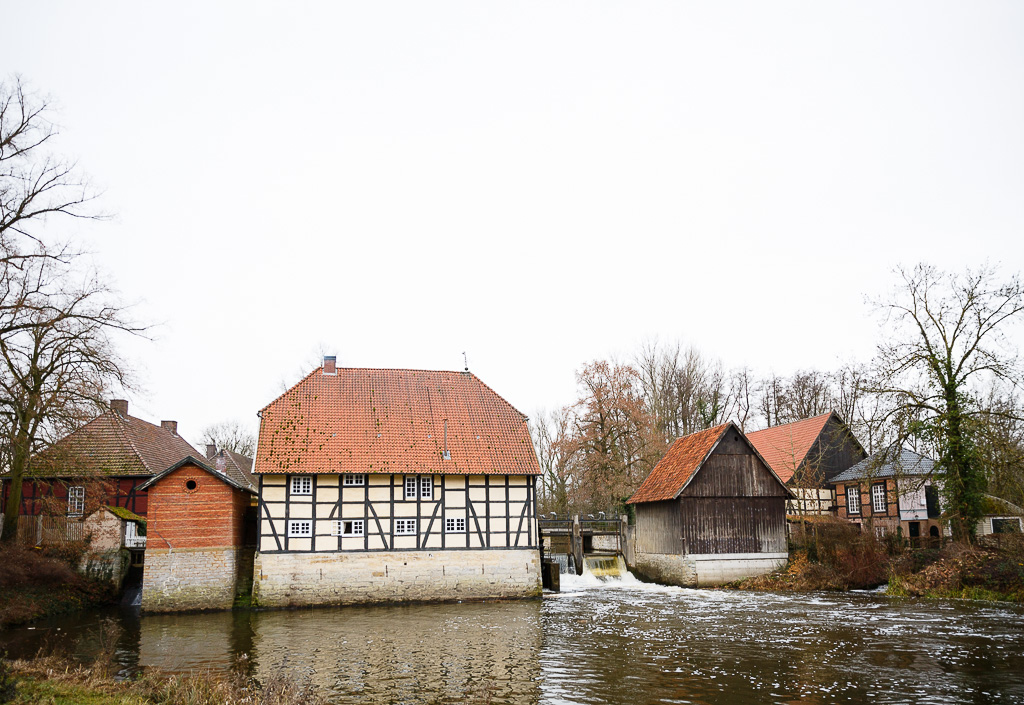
x,y
119,406
211,450
330,365
171,426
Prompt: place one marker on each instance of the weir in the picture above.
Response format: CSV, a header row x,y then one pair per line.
x,y
583,546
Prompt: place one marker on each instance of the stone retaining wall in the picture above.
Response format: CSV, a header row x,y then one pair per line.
x,y
190,579
290,579
705,570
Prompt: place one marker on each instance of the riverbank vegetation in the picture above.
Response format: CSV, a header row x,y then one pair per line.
x,y
945,382
840,558
37,583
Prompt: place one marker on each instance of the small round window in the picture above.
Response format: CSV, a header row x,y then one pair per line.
x,y
191,485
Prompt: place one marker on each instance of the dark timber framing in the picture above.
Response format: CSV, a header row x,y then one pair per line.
x,y
430,513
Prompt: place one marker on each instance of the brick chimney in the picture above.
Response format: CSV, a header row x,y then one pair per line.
x,y
171,426
211,450
330,365
119,406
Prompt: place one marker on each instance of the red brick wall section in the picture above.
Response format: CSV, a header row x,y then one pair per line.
x,y
207,517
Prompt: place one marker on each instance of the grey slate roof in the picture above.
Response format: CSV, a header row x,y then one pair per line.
x,y
888,463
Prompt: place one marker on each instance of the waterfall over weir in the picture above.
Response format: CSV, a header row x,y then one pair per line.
x,y
599,571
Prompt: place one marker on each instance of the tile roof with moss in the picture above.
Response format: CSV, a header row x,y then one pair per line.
x,y
112,445
393,421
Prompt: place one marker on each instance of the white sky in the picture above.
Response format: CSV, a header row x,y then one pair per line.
x,y
538,184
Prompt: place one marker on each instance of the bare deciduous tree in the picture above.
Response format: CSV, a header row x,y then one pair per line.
x,y
949,338
231,435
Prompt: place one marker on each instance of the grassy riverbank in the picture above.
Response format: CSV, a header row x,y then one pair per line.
x,y
58,681
837,560
36,583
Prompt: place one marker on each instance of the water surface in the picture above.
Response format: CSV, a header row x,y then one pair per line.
x,y
623,642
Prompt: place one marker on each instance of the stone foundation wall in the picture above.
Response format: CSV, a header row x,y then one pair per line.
x,y
287,579
721,568
665,568
190,579
705,570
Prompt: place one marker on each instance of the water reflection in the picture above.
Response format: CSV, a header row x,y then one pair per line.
x,y
620,642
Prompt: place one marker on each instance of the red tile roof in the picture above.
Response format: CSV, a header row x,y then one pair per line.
x,y
785,447
112,445
678,465
393,421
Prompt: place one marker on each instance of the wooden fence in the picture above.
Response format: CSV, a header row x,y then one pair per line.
x,y
45,530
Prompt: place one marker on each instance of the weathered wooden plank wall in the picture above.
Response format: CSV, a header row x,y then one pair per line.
x,y
735,525
659,528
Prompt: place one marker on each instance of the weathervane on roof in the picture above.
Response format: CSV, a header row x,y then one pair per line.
x,y
465,360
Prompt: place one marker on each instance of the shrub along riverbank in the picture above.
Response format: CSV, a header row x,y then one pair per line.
x,y
38,583
837,557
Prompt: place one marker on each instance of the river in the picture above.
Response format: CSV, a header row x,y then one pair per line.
x,y
616,642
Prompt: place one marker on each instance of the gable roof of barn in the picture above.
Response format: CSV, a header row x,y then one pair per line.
x,y
364,420
111,445
785,447
682,461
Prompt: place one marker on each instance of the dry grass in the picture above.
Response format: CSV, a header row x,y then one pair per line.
x,y
56,676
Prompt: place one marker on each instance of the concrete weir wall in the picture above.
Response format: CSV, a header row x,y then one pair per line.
x,y
292,579
706,570
191,578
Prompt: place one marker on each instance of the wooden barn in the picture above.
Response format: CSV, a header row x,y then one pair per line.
x,y
393,485
201,537
710,512
807,455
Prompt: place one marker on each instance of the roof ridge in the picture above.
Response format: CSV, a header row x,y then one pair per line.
x,y
791,423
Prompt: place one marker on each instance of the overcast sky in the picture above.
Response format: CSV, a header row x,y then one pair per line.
x,y
537,184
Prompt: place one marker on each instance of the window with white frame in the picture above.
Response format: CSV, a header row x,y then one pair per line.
x,y
302,484
76,501
852,499
427,487
405,527
300,528
348,527
454,526
878,503
880,532
410,487
353,480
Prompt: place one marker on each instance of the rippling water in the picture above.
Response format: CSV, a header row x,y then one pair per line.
x,y
624,642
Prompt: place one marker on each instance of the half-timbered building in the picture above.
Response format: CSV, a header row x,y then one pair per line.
x,y
102,463
806,455
710,512
385,484
892,490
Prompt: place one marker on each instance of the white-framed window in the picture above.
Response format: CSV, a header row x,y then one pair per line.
x,y
880,532
76,501
427,487
410,487
348,527
302,484
300,528
853,499
454,526
353,480
878,503
405,527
